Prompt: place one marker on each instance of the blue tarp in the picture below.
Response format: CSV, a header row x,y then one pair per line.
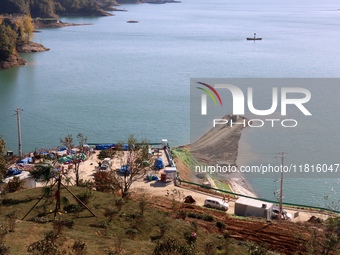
x,y
106,146
25,161
151,178
159,163
12,172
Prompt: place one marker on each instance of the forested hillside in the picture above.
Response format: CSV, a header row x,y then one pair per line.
x,y
53,8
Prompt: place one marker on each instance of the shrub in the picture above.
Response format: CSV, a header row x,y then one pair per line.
x,y
131,232
119,202
69,223
207,217
226,235
4,250
256,249
209,248
195,215
110,213
45,246
73,208
142,205
172,246
79,247
86,196
86,184
14,185
220,225
132,216
163,228
182,214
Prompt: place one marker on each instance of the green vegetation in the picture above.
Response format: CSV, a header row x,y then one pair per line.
x,y
52,8
3,161
121,225
14,32
221,185
7,41
185,156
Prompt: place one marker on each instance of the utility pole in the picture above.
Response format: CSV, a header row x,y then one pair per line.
x,y
17,113
281,187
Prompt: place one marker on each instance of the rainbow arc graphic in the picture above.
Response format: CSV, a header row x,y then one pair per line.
x,y
212,93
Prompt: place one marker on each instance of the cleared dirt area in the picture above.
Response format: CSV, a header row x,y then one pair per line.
x,y
285,238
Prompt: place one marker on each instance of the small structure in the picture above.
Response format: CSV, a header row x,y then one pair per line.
x,y
171,173
251,207
165,142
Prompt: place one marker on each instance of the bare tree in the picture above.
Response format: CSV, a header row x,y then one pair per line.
x,y
3,161
68,142
137,164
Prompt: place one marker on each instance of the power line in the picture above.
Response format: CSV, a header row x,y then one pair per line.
x,y
282,156
17,114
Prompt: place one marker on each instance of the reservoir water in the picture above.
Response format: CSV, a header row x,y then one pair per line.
x,y
113,78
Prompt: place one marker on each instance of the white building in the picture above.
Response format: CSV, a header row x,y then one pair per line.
x,y
252,207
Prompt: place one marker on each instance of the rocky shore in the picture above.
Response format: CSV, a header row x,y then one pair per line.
x,y
15,60
31,47
12,61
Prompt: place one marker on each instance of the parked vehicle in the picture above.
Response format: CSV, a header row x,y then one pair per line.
x,y
124,170
216,203
285,214
106,164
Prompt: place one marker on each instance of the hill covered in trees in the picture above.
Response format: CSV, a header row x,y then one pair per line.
x,y
15,35
53,8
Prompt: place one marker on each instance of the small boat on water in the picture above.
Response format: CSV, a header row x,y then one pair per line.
x,y
254,38
132,21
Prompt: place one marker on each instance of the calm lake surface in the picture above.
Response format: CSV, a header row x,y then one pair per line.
x,y
112,78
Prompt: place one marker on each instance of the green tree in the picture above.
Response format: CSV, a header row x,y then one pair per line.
x,y
42,8
3,161
43,172
14,6
7,42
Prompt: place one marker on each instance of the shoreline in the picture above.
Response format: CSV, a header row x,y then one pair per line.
x,y
220,146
